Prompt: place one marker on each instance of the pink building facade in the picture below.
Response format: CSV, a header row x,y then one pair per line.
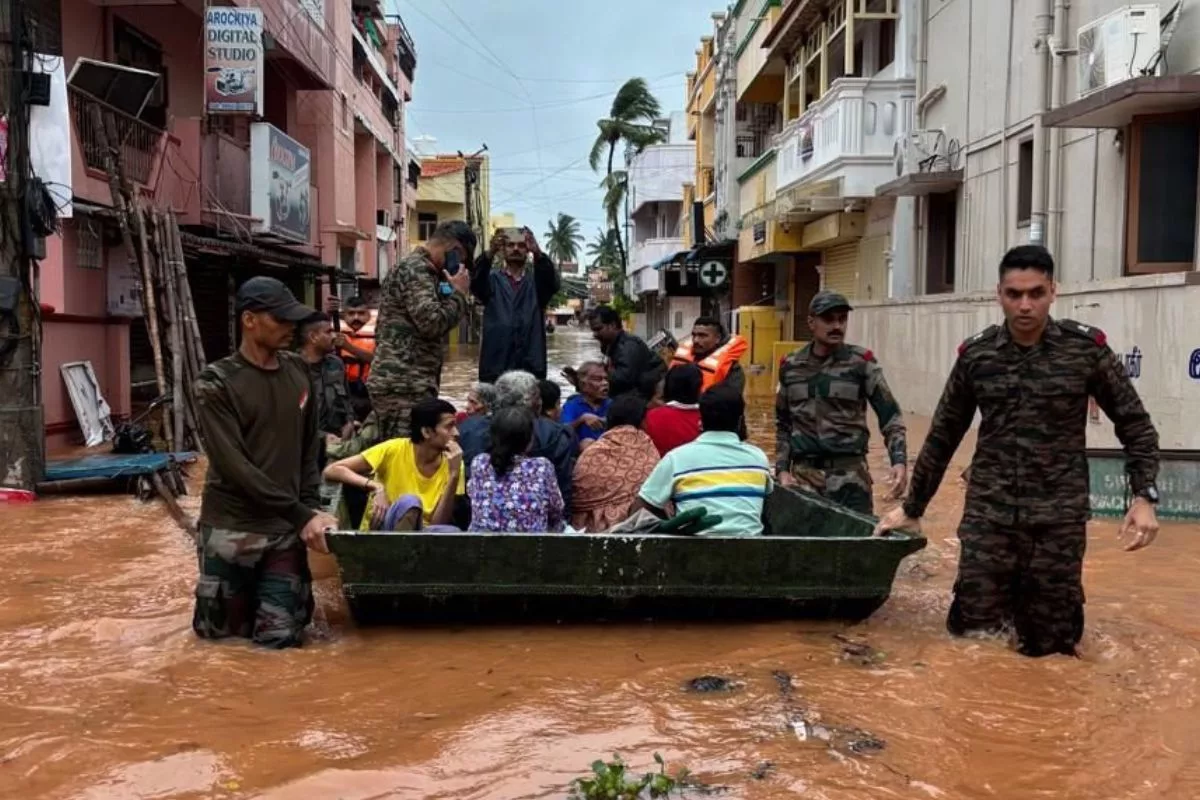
x,y
335,77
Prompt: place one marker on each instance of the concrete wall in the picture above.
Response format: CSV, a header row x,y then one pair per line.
x,y
917,342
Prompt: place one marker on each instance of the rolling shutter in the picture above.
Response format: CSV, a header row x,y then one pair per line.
x,y
841,269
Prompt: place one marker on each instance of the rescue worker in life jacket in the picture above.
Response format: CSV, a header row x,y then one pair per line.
x,y
715,353
356,347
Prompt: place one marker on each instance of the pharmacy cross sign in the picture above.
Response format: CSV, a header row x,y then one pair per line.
x,y
713,274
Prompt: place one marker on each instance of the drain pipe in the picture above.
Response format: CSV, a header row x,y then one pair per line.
x,y
1043,26
1057,88
1004,191
922,77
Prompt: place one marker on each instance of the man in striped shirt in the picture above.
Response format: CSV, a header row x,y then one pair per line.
x,y
717,471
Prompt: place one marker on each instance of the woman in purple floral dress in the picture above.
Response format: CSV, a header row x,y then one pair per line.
x,y
509,491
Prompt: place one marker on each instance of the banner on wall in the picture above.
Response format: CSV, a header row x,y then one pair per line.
x,y
233,60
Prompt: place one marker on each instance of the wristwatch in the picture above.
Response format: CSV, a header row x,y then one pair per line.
x,y
1149,493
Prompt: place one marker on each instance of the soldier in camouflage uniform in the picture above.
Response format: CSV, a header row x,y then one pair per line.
x,y
1023,531
821,413
328,373
424,297
258,419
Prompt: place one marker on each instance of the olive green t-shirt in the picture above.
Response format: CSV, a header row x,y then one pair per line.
x,y
261,439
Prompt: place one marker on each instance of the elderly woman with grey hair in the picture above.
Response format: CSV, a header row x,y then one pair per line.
x,y
551,440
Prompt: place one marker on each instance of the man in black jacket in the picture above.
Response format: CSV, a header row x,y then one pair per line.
x,y
632,366
514,326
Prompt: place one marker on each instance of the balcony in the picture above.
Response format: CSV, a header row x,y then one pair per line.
x,y
651,251
139,145
843,144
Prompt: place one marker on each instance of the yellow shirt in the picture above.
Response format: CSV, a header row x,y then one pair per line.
x,y
394,463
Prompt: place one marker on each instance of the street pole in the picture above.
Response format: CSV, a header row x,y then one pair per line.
x,y
22,435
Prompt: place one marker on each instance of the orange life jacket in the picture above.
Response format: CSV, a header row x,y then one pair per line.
x,y
364,339
714,367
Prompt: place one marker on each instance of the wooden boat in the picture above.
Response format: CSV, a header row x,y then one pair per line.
x,y
815,560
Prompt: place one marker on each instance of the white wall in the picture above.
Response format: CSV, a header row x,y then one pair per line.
x,y
968,52
917,343
659,172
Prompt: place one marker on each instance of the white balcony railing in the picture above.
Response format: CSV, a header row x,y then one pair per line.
x,y
649,252
849,134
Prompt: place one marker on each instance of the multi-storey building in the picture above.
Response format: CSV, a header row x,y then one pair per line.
x,y
1055,123
274,130
670,293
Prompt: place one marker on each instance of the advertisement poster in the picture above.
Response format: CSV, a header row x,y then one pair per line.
x,y
279,183
233,60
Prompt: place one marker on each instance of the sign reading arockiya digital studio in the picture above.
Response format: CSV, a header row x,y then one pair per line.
x,y
233,60
279,176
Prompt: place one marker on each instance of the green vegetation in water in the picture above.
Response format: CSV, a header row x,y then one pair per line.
x,y
611,781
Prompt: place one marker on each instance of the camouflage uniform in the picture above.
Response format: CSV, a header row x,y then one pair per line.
x,y
1023,531
821,429
414,318
333,395
262,487
252,585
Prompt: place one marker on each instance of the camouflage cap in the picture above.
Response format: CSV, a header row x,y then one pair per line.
x,y
825,301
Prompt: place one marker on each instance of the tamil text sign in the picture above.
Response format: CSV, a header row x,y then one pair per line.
x,y
279,183
233,60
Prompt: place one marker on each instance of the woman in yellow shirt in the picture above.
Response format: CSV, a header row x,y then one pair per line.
x,y
427,465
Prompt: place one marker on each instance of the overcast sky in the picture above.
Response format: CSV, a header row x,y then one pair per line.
x,y
552,70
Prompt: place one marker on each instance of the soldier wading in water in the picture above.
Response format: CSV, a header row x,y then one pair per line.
x,y
1024,528
821,413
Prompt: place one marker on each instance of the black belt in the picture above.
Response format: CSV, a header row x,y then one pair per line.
x,y
829,462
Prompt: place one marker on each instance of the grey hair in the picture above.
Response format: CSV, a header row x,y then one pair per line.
x,y
588,365
486,393
518,389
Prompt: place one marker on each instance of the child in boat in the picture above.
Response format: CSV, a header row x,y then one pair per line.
x,y
551,395
511,492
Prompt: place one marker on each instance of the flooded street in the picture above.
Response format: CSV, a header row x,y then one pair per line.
x,y
106,693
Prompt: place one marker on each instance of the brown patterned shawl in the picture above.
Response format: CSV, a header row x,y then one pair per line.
x,y
608,476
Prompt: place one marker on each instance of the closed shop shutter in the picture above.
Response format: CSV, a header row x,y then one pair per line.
x,y
210,295
841,269
873,271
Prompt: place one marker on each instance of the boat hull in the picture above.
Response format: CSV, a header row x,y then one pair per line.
x,y
833,570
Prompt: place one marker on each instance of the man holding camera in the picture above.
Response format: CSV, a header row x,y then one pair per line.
x,y
424,297
514,327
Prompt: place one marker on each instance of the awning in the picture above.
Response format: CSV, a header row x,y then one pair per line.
x,y
1117,105
672,260
196,244
710,250
920,184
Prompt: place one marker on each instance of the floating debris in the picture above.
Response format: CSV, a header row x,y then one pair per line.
x,y
858,652
762,770
710,683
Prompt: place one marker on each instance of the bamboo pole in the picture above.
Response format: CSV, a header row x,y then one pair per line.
x,y
106,135
175,332
189,307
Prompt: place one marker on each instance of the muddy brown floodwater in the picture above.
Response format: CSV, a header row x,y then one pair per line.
x,y
105,693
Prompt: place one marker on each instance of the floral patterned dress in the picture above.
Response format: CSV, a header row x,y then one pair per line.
x,y
526,500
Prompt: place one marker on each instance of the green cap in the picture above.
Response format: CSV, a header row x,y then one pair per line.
x,y
825,301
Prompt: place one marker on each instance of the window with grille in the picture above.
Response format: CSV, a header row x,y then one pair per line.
x,y
89,249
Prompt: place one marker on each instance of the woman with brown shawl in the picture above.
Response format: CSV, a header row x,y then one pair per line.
x,y
609,474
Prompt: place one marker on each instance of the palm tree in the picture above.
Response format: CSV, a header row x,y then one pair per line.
x,y
563,239
603,249
629,121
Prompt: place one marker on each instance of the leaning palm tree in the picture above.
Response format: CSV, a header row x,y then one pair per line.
x,y
563,239
630,121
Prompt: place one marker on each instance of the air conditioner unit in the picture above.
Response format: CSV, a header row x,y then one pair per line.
x,y
1118,46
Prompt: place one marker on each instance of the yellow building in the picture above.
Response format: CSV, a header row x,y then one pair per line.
x,y
701,126
504,220
451,187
